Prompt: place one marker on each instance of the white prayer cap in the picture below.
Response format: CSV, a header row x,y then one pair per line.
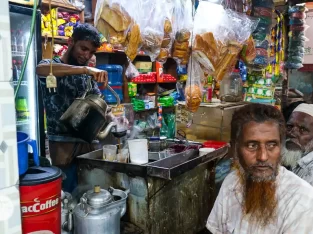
x,y
305,108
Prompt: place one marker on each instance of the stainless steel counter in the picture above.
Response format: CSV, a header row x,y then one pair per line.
x,y
168,196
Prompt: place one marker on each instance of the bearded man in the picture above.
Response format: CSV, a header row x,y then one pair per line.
x,y
260,196
298,154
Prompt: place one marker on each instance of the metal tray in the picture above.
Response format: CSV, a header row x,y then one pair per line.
x,y
176,165
166,168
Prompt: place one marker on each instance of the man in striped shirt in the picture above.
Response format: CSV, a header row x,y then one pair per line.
x,y
299,143
260,196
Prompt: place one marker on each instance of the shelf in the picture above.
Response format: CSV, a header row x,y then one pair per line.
x,y
23,83
119,52
60,3
22,122
168,82
154,109
59,39
18,54
144,82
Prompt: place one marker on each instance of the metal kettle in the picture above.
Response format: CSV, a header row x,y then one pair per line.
x,y
86,116
100,211
68,204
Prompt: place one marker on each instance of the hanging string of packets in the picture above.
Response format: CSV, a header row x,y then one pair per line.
x,y
296,36
275,68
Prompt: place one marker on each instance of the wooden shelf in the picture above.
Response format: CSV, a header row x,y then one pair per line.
x,y
168,82
59,39
143,83
60,3
155,109
119,52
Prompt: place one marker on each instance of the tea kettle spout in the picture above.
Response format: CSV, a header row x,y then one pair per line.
x,y
102,135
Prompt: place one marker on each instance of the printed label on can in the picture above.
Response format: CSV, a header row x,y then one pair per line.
x,y
39,207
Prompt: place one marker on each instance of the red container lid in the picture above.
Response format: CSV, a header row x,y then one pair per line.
x,y
214,144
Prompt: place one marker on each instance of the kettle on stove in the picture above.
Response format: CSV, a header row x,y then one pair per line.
x,y
87,116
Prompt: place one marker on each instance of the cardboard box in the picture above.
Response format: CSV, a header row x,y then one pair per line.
x,y
144,67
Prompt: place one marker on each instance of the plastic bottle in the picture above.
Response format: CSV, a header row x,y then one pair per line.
x,y
231,87
19,68
20,42
15,70
13,42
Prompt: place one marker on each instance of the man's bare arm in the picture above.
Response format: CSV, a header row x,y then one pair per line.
x,y
60,70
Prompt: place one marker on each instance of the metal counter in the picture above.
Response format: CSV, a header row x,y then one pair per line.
x,y
169,196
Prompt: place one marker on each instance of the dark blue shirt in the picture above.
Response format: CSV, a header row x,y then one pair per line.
x,y
56,103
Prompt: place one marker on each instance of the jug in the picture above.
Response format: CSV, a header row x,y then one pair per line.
x,y
22,151
86,116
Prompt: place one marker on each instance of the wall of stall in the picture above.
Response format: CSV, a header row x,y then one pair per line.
x,y
10,221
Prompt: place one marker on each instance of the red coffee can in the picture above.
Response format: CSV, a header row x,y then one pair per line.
x,y
40,190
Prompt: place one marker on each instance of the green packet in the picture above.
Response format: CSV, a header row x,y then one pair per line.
x,y
258,91
260,100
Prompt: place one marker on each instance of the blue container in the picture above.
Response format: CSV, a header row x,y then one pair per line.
x,y
22,151
109,97
115,73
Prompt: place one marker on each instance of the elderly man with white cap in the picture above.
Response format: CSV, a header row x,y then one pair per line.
x,y
299,142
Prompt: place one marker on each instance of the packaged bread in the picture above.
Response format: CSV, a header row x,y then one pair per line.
x,y
182,35
167,26
110,34
166,41
248,52
228,60
180,54
193,97
206,48
133,41
164,54
151,39
116,16
181,45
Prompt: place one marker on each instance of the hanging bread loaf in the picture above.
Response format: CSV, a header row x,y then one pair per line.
x,y
166,41
167,26
193,97
110,34
117,17
182,35
133,40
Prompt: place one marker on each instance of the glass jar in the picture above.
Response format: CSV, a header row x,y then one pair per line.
x,y
231,88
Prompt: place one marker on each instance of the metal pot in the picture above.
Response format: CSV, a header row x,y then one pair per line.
x,y
100,211
86,117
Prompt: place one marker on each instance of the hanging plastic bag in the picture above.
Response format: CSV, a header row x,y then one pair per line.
x,y
116,20
131,71
182,28
168,37
219,36
154,23
193,90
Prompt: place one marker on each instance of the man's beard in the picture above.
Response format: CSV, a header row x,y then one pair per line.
x,y
291,157
259,196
